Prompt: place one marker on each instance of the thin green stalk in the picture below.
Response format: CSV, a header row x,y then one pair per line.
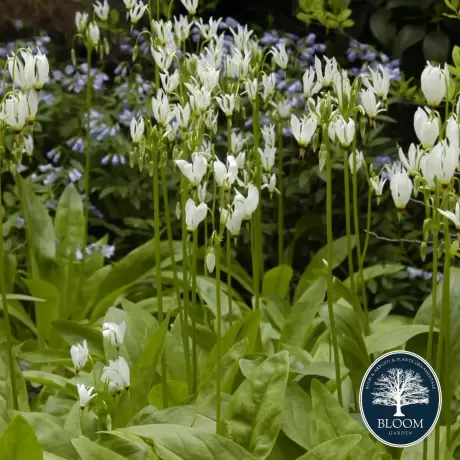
x,y
257,255
159,282
368,224
280,195
164,185
228,249
194,306
330,279
218,338
89,93
362,281
6,311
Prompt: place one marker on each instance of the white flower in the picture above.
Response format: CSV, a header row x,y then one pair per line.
x,y
330,69
251,86
237,142
211,120
42,70
102,10
433,80
130,4
342,87
209,77
247,205
440,163
182,27
269,183
190,6
32,104
29,145
241,160
280,56
268,85
137,130
284,108
452,131
85,394
426,130
22,72
267,158
194,215
210,260
114,333
232,220
412,163
226,174
453,216
269,135
94,34
79,354
136,11
163,57
117,375
377,184
200,98
310,87
241,37
194,171
160,107
359,161
170,82
369,103
182,115
303,130
401,188
345,131
81,21
227,104
16,109
380,82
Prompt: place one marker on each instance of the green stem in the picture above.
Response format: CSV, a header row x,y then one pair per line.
x,y
159,282
218,338
6,311
368,224
164,185
89,93
280,195
194,306
257,256
330,279
228,249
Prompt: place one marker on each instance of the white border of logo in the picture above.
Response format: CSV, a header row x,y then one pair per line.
x,y
386,355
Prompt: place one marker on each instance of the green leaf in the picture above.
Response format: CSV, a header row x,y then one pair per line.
x,y
52,437
332,421
334,449
382,27
374,271
339,251
409,35
175,442
298,421
297,326
18,441
47,356
177,393
45,312
127,444
253,416
5,383
456,56
181,415
17,311
436,46
42,235
277,280
54,381
89,450
73,332
387,340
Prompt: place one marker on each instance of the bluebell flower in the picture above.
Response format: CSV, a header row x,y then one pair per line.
x,y
108,251
74,175
19,222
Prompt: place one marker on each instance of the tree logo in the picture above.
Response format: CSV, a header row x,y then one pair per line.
x,y
400,399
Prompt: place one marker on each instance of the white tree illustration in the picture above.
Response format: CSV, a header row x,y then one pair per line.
x,y
399,387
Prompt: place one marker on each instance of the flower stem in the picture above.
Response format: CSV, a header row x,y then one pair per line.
x,y
6,312
228,249
194,305
330,279
156,220
218,338
89,93
280,195
164,185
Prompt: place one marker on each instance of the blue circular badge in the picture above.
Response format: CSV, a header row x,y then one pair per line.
x,y
400,398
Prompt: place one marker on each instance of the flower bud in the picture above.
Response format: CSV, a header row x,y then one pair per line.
x,y
210,260
423,250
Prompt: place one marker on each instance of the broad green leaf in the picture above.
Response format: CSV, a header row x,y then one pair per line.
x,y
54,381
383,341
298,422
380,313
332,421
53,438
89,450
250,329
253,416
73,332
177,393
175,442
47,356
128,445
48,456
334,449
37,219
45,312
276,281
181,415
374,271
382,27
408,35
436,46
18,441
297,326
5,382
16,310
339,251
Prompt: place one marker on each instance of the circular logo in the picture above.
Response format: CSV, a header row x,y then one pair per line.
x,y
400,399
